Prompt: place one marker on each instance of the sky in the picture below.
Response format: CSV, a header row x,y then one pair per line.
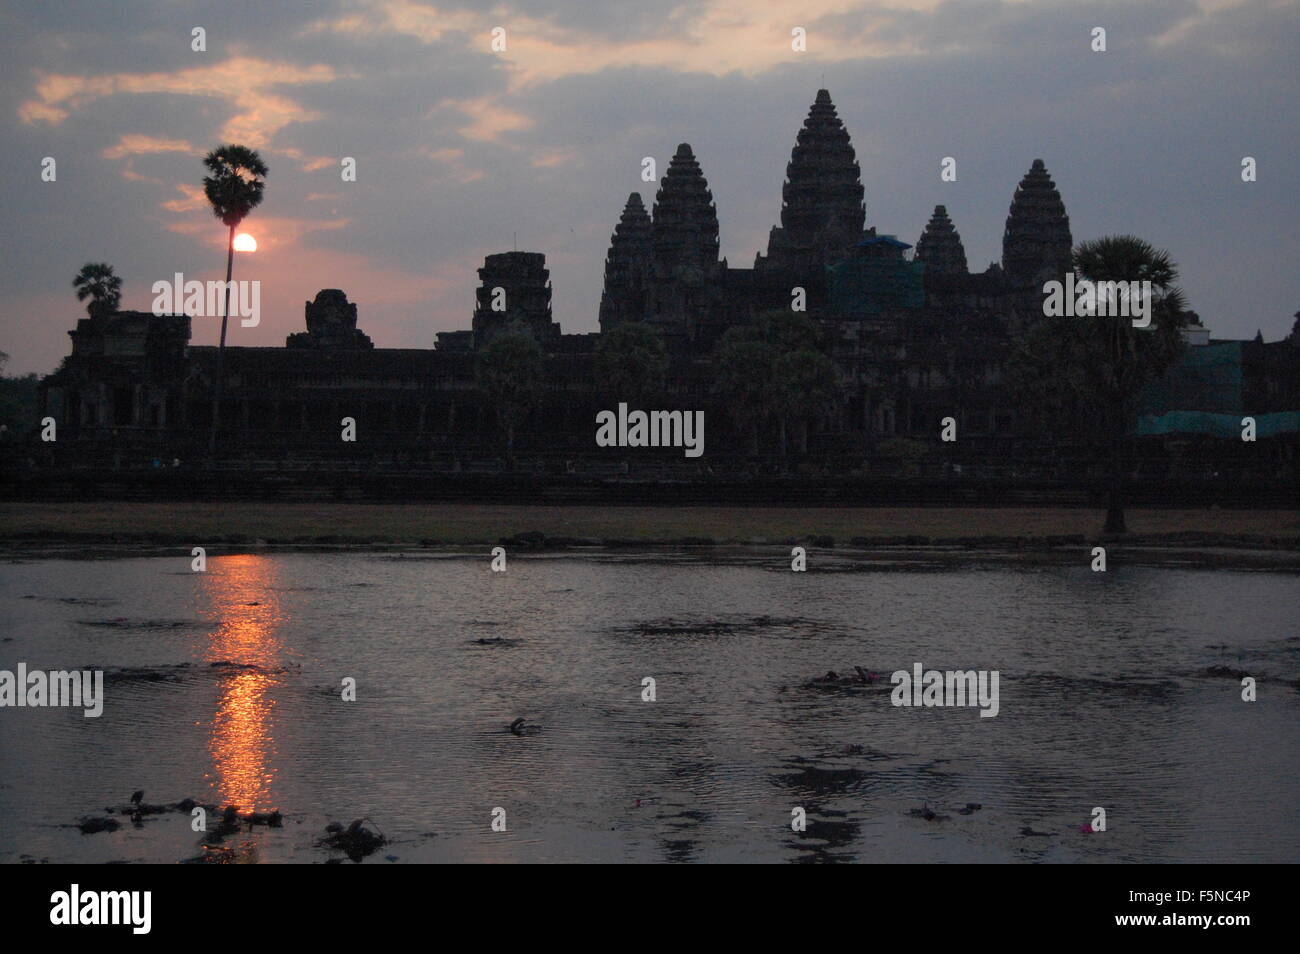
x,y
462,151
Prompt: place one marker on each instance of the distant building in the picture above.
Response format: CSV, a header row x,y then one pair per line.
x,y
914,338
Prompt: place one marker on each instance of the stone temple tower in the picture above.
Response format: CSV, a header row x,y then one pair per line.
x,y
822,213
627,267
515,290
939,246
1036,245
331,325
684,266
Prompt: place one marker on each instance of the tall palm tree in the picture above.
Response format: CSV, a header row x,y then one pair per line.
x,y
1126,359
1087,375
234,189
97,282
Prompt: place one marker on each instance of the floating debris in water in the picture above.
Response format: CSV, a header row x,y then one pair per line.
x,y
1224,672
859,677
123,622
521,727
928,813
1030,833
73,600
356,841
93,826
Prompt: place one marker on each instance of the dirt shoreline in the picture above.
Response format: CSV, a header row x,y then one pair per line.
x,y
1262,538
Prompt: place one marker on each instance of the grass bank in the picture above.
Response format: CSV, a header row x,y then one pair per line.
x,y
191,523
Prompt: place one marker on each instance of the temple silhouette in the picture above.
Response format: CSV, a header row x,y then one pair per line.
x,y
915,337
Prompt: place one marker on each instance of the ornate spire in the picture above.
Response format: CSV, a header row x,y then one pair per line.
x,y
1036,244
822,214
684,233
939,246
626,266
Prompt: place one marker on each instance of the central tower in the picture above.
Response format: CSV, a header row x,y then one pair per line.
x,y
822,212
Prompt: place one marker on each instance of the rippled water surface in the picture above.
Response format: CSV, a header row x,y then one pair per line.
x,y
225,686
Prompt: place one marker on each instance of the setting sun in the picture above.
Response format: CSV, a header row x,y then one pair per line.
x,y
245,243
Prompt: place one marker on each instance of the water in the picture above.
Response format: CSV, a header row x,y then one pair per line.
x,y
1105,700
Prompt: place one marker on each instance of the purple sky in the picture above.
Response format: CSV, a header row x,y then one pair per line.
x,y
459,148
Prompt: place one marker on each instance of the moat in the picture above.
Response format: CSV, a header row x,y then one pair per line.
x,y
1119,690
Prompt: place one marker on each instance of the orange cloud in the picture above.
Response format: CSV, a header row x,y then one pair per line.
x,y
552,158
194,199
453,159
246,82
135,144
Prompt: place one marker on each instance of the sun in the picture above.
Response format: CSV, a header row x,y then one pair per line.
x,y
245,243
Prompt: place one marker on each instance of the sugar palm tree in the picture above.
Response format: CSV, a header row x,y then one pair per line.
x,y
97,282
1086,376
233,189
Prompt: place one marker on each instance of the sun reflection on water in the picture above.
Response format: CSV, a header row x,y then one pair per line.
x,y
242,742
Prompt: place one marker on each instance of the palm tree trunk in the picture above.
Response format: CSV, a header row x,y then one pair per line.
x,y
221,349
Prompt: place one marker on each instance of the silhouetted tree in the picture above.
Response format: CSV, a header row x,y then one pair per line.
x,y
97,281
743,379
775,368
510,371
233,189
631,362
19,403
1085,376
805,387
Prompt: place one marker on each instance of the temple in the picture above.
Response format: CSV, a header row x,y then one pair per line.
x,y
914,336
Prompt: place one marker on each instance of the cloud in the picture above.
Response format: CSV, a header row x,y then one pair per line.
x,y
135,144
243,81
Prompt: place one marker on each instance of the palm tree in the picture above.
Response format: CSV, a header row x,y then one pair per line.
x,y
1088,374
233,189
97,282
